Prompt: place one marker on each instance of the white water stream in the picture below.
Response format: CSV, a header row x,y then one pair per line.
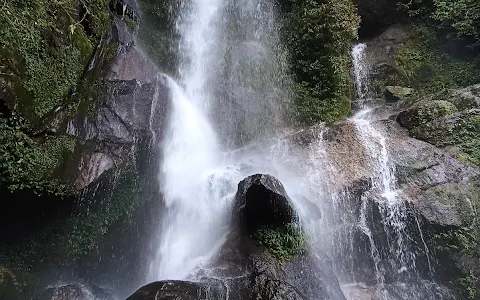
x,y
199,175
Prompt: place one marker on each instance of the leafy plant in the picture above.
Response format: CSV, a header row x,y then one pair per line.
x,y
318,34
283,242
26,163
426,67
469,283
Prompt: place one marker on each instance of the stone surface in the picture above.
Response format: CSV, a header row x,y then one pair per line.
x,y
135,106
425,111
396,93
75,292
179,290
381,52
466,98
256,275
261,200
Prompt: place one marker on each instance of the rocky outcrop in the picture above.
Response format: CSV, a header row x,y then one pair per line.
x,y
134,107
396,93
179,290
75,292
262,200
247,265
381,52
449,120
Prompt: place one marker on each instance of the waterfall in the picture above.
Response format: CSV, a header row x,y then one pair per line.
x,y
200,172
398,260
192,226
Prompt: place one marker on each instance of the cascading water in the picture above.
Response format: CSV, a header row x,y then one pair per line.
x,y
198,178
399,259
192,227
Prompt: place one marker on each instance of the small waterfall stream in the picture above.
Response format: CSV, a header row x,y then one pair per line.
x,y
397,260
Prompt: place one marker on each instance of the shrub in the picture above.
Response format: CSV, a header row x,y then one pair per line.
x,y
318,34
282,243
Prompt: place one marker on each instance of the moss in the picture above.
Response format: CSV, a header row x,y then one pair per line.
x,y
283,243
460,131
469,284
426,67
426,111
319,45
51,49
28,163
463,245
158,35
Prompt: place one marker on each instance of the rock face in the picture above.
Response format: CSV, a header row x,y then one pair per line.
x,y
262,200
75,292
381,52
395,93
134,107
449,120
179,290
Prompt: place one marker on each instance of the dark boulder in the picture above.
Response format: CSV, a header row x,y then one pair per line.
x,y
179,290
261,200
75,292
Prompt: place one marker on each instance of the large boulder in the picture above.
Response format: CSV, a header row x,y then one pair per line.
x,y
261,200
133,106
449,120
424,112
396,93
179,290
75,292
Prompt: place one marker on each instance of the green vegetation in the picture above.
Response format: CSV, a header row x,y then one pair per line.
x,y
45,46
283,243
318,34
463,245
425,66
463,16
469,284
85,230
461,133
31,163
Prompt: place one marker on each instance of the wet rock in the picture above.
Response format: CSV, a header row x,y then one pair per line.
x,y
261,200
255,274
396,93
14,285
381,52
466,98
424,112
136,105
179,290
75,292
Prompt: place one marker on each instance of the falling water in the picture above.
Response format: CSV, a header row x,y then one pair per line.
x,y
400,260
200,173
193,225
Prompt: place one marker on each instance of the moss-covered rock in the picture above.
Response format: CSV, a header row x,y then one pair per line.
x,y
460,132
319,46
424,112
396,93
